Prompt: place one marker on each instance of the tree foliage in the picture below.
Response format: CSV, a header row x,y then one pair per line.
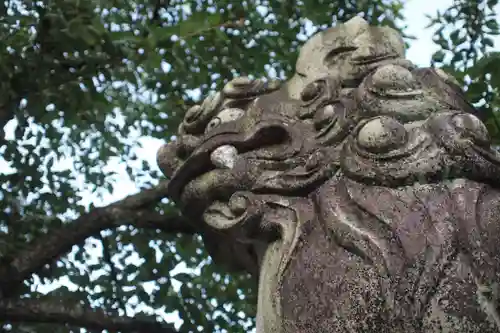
x,y
85,81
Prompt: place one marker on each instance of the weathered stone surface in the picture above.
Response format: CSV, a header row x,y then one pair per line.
x,y
364,191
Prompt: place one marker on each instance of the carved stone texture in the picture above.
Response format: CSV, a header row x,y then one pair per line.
x,y
364,191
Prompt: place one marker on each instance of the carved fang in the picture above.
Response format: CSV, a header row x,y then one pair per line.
x,y
224,157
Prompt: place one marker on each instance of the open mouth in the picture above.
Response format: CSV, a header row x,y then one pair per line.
x,y
222,150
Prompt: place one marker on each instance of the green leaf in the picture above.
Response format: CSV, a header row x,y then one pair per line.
x,y
195,24
492,24
75,26
488,42
438,56
454,36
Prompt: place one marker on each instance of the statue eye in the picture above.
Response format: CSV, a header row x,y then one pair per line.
x,y
216,121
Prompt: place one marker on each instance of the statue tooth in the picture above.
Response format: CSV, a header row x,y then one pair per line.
x,y
224,157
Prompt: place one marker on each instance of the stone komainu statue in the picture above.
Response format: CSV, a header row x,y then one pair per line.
x,y
363,192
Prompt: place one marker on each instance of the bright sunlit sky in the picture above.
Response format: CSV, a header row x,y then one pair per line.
x,y
420,53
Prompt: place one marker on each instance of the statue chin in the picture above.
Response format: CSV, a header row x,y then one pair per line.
x,y
363,192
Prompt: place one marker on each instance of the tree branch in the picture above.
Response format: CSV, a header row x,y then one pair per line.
x,y
136,210
113,274
41,311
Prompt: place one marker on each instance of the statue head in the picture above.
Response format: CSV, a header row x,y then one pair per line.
x,y
354,106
